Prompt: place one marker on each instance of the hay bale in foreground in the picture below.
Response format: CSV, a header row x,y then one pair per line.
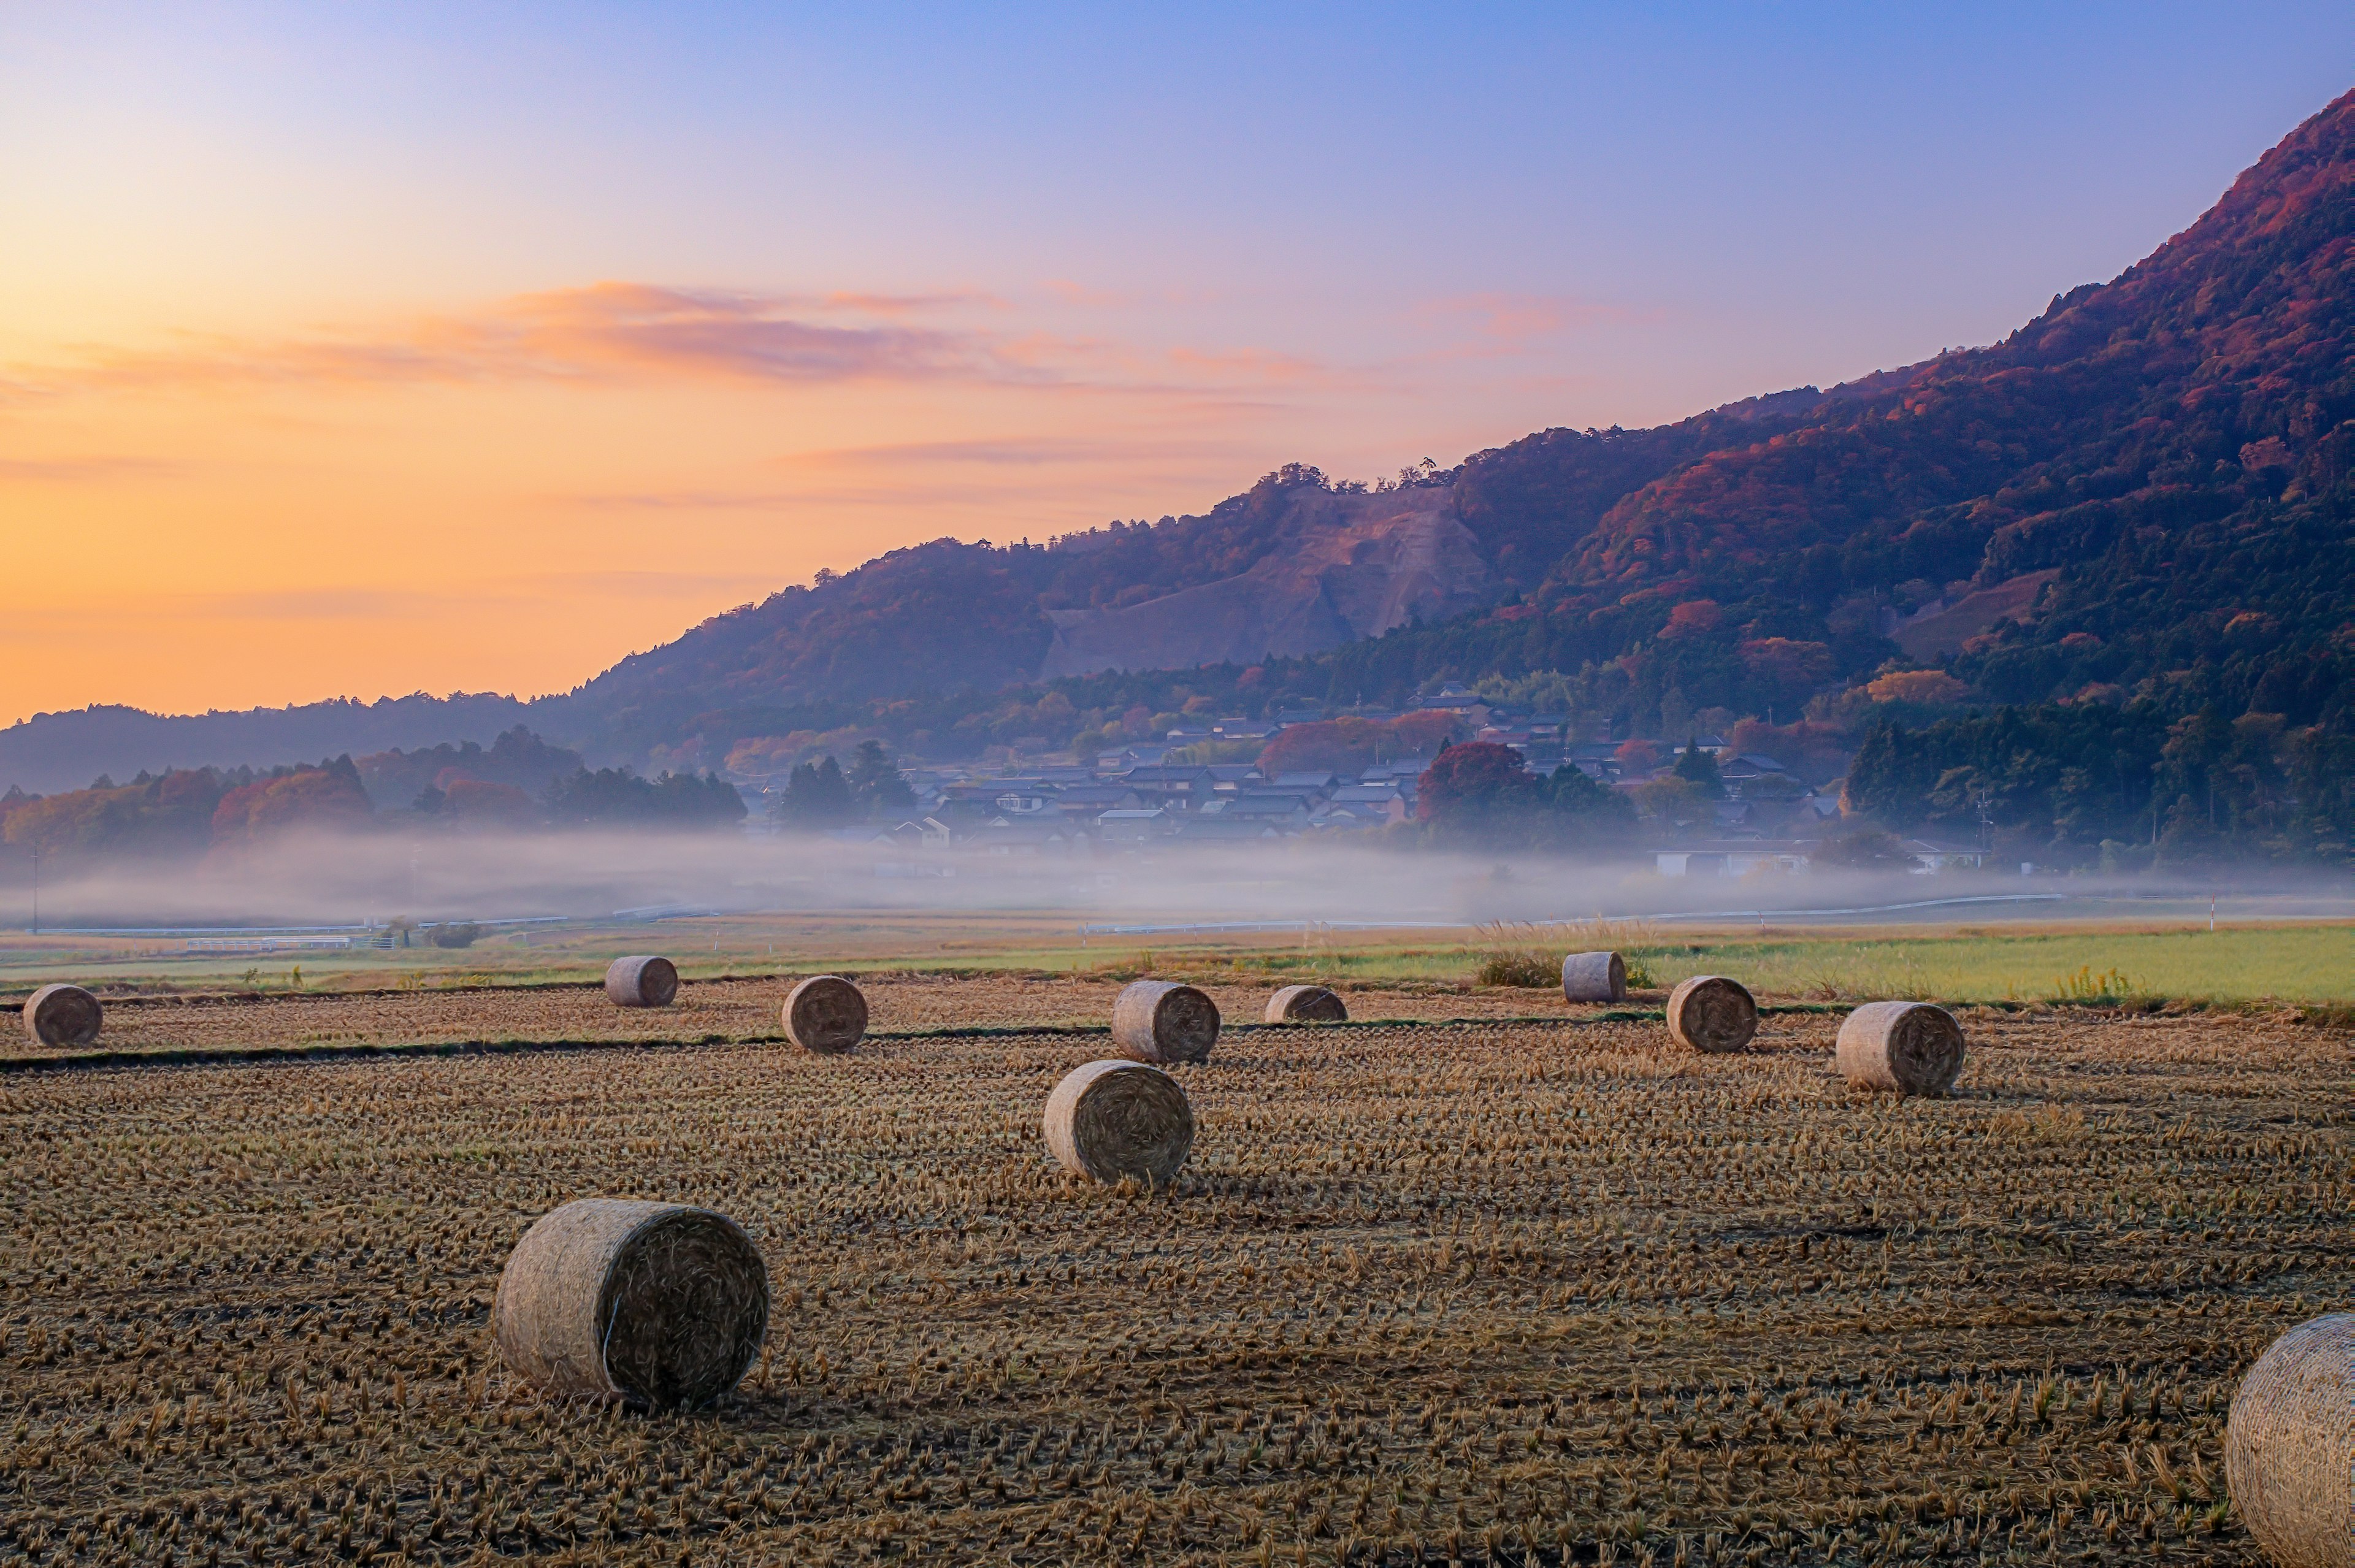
x,y
1157,1020
1594,978
826,1014
1113,1119
1307,1005
642,980
1907,1048
657,1305
62,1014
1712,1013
2289,1446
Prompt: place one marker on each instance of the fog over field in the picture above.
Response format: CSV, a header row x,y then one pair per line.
x,y
321,878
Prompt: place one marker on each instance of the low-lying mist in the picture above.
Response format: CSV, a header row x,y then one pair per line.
x,y
321,878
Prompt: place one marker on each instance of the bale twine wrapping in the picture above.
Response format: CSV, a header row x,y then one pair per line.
x,y
1712,1013
1907,1048
1113,1119
642,980
826,1014
2289,1446
1594,978
1156,1020
62,1014
657,1305
1307,1005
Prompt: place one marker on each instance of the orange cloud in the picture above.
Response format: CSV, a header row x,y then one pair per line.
x,y
613,331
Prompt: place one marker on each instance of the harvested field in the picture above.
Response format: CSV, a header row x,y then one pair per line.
x,y
1483,1292
707,1011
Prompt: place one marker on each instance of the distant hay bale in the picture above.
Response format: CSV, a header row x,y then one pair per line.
x,y
1113,1119
1307,1005
642,981
1157,1020
1594,978
1712,1013
62,1014
657,1305
1906,1048
2289,1446
826,1014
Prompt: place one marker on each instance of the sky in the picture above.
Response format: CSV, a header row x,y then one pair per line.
x,y
359,350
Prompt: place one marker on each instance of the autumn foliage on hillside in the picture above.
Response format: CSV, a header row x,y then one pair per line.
x,y
1349,744
1484,795
311,798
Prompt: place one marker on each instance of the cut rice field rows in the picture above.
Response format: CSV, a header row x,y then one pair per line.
x,y
1482,1292
707,1012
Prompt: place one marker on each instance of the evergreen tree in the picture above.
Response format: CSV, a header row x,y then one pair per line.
x,y
876,786
817,797
1699,769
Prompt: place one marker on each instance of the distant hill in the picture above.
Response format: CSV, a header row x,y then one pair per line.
x,y
2142,495
52,752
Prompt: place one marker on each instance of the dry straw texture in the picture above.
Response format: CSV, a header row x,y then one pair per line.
x,y
2289,1450
1489,1293
1712,1013
1157,1020
1114,1120
642,980
826,1014
742,1009
62,1016
1903,1048
657,1305
1594,978
1305,1004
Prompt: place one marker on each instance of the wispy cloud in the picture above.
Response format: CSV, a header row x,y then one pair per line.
x,y
612,332
632,333
1024,451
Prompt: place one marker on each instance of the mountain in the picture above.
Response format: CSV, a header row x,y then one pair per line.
x,y
51,751
1295,565
2140,498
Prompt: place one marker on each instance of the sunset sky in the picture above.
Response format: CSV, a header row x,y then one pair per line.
x,y
359,350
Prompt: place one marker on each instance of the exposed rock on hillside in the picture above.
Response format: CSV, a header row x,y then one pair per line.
x,y
1343,567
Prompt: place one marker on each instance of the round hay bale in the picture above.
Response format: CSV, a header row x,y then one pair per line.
x,y
1307,1005
62,1014
1907,1048
642,980
657,1305
826,1014
1113,1119
1712,1013
1157,1020
2290,1444
1594,978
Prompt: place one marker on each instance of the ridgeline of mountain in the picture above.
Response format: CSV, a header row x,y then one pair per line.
x,y
65,751
2142,493
1291,567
